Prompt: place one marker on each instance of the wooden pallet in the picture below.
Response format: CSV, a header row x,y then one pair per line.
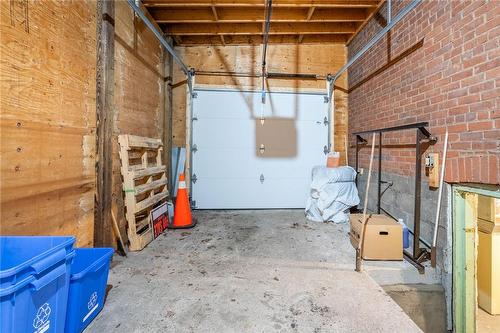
x,y
144,185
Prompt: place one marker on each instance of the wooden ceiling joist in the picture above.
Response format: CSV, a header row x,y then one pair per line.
x,y
239,22
257,40
260,3
315,28
239,15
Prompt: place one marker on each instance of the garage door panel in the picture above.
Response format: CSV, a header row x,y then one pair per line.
x,y
225,162
226,104
218,193
232,171
295,106
218,132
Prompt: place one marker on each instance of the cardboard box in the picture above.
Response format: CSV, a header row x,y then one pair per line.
x,y
383,237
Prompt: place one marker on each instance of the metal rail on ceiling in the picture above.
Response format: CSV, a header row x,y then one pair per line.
x,y
375,39
189,72
391,22
265,40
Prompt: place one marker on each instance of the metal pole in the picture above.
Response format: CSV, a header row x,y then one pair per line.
x,y
359,249
374,40
438,210
356,161
265,40
416,211
162,40
379,171
389,11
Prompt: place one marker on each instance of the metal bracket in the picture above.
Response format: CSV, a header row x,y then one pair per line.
x,y
194,118
261,178
194,148
194,178
325,121
194,94
325,150
360,140
326,99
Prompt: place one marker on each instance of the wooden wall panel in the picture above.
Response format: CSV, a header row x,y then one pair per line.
x,y
48,60
139,89
306,59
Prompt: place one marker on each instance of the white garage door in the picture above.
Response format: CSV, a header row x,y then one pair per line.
x,y
252,155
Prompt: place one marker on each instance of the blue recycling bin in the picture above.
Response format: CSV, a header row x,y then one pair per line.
x,y
89,275
34,282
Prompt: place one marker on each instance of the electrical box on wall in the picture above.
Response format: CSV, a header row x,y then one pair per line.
x,y
432,169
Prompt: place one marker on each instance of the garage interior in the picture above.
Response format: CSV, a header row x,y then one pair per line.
x,y
105,103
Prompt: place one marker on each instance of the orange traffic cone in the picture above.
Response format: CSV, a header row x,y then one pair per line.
x,y
182,212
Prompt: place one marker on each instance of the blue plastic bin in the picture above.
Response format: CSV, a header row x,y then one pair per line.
x,y
34,273
26,255
89,275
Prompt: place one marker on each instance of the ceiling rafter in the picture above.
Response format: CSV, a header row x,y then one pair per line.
x,y
224,22
260,3
239,15
256,28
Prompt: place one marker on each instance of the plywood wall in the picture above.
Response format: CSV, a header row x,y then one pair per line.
x,y
309,59
139,89
48,60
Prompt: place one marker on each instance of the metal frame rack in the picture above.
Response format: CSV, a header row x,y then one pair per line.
x,y
422,136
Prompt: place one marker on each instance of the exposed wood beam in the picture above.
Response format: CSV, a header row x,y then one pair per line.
x,y
241,15
338,15
260,3
310,13
177,40
254,29
308,18
214,12
257,39
222,39
105,116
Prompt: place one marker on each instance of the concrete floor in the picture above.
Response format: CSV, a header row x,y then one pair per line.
x,y
248,271
487,323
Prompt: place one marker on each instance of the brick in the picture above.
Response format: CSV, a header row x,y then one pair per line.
x,y
452,82
484,170
493,177
480,126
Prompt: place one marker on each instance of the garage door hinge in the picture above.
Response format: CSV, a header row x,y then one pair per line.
x,y
325,121
194,148
262,178
195,95
325,150
326,99
194,118
194,178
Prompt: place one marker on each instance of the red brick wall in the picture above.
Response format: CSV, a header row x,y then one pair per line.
x,y
452,81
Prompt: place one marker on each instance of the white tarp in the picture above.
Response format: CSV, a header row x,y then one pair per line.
x,y
333,192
